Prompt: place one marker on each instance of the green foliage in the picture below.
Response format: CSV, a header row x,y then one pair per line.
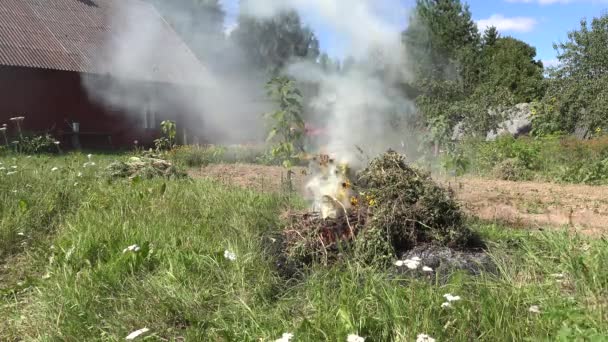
x,y
576,94
410,207
438,34
509,63
34,144
271,43
512,169
167,141
552,158
463,77
287,126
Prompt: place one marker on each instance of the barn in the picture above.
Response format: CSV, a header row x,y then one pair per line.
x,y
59,70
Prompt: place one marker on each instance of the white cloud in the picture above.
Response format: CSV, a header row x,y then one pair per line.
x,y
502,23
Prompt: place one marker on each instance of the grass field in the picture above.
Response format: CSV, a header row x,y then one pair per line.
x,y
65,274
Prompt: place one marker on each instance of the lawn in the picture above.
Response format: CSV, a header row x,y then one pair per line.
x,y
67,273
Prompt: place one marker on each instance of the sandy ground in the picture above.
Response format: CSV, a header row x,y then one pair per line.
x,y
522,204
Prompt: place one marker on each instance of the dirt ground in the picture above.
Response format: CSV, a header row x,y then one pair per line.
x,y
531,204
523,204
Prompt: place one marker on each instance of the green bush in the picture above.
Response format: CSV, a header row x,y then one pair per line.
x,y
550,158
512,169
34,144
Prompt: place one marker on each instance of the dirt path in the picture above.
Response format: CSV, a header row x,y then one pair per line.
x,y
583,207
523,204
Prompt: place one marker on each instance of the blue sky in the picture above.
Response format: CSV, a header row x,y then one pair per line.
x,y
537,22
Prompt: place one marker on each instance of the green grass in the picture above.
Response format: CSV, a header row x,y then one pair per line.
x,y
66,278
561,159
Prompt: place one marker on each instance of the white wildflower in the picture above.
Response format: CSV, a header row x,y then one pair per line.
x,y
427,269
557,275
46,276
132,248
355,338
21,234
229,255
54,169
89,156
76,184
416,259
412,264
56,143
285,338
451,298
2,168
14,167
424,338
136,334
534,309
10,173
79,174
446,305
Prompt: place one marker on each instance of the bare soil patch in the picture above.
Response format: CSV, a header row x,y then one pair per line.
x,y
584,208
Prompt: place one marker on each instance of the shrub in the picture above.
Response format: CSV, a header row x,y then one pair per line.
x,y
34,144
512,169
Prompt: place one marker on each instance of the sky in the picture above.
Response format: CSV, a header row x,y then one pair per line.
x,y
540,23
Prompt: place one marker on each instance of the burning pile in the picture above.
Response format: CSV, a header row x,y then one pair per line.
x,y
388,209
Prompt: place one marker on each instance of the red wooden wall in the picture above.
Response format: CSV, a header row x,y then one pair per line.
x,y
50,99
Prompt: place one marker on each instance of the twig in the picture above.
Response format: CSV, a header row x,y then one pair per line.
x,y
352,231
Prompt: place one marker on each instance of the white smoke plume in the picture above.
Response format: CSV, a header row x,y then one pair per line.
x,y
358,106
221,97
224,99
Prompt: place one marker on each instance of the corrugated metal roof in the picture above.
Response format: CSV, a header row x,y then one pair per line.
x,y
90,36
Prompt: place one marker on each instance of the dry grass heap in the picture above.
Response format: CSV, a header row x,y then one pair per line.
x,y
144,168
398,208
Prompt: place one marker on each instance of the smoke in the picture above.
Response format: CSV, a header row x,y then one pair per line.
x,y
223,97
361,107
219,96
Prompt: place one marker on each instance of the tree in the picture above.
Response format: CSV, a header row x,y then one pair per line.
x,y
585,55
576,98
439,33
490,36
271,43
509,63
443,44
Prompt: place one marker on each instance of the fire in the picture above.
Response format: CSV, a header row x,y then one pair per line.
x,y
329,186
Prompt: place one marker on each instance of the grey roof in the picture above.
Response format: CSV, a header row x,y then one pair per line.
x,y
86,36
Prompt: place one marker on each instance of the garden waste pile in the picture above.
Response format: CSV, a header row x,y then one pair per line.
x,y
145,167
374,215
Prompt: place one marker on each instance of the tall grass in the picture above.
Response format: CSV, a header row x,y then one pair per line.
x,y
77,284
555,158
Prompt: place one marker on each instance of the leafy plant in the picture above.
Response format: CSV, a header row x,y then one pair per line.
x,y
167,141
287,126
33,144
